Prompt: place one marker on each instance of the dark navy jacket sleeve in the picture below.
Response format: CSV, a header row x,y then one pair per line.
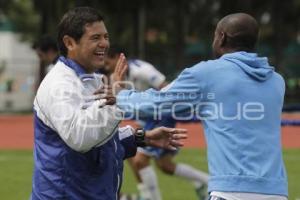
x,y
129,146
127,140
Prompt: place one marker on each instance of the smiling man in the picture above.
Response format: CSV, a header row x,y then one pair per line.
x,y
78,147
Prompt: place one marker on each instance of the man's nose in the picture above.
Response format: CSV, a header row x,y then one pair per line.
x,y
104,43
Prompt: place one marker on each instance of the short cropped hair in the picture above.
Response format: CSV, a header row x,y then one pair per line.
x,y
45,43
115,50
73,24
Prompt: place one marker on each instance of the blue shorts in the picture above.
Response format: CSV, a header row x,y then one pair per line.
x,y
155,152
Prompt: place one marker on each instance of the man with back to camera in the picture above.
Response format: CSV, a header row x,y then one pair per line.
x,y
46,49
239,98
143,75
78,147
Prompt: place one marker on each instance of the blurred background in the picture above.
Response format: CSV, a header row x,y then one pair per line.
x,y
171,34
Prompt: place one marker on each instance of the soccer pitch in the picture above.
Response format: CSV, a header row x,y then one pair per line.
x,y
16,171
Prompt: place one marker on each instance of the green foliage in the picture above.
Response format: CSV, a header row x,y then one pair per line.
x,y
22,16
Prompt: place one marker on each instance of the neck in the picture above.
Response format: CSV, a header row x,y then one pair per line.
x,y
86,69
235,49
229,50
53,57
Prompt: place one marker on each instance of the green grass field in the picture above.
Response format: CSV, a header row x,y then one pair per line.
x,y
16,170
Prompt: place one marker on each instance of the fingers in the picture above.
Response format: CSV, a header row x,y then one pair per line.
x,y
176,138
179,136
171,148
121,68
176,133
174,144
179,131
110,101
105,92
119,62
174,130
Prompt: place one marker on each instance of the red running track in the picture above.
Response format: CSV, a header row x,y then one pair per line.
x,y
16,132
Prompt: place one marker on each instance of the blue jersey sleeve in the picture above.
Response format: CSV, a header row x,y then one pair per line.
x,y
178,97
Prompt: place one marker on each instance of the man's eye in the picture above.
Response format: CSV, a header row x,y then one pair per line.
x,y
95,38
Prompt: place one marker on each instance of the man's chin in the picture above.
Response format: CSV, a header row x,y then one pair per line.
x,y
98,65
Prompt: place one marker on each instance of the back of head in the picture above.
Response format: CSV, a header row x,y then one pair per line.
x,y
111,60
73,24
115,51
239,32
45,44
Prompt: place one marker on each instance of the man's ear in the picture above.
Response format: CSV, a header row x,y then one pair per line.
x,y
69,42
223,38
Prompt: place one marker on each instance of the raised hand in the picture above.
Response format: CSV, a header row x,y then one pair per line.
x,y
167,138
119,75
109,92
120,69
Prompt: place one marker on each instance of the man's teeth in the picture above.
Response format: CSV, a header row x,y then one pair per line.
x,y
99,53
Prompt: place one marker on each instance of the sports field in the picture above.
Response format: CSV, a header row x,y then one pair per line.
x,y
16,161
16,170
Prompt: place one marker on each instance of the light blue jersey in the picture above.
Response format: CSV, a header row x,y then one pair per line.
x,y
239,99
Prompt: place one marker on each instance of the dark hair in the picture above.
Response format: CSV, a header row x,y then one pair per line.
x,y
115,50
73,24
45,43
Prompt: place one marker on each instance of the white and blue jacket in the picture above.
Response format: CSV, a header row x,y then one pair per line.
x,y
239,99
78,147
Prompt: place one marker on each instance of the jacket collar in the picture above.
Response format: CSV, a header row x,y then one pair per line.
x,y
77,68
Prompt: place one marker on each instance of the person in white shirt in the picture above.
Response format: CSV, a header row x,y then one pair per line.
x,y
78,146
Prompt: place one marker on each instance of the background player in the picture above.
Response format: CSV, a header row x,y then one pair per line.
x,y
46,49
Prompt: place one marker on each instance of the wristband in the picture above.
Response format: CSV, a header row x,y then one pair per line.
x,y
140,137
